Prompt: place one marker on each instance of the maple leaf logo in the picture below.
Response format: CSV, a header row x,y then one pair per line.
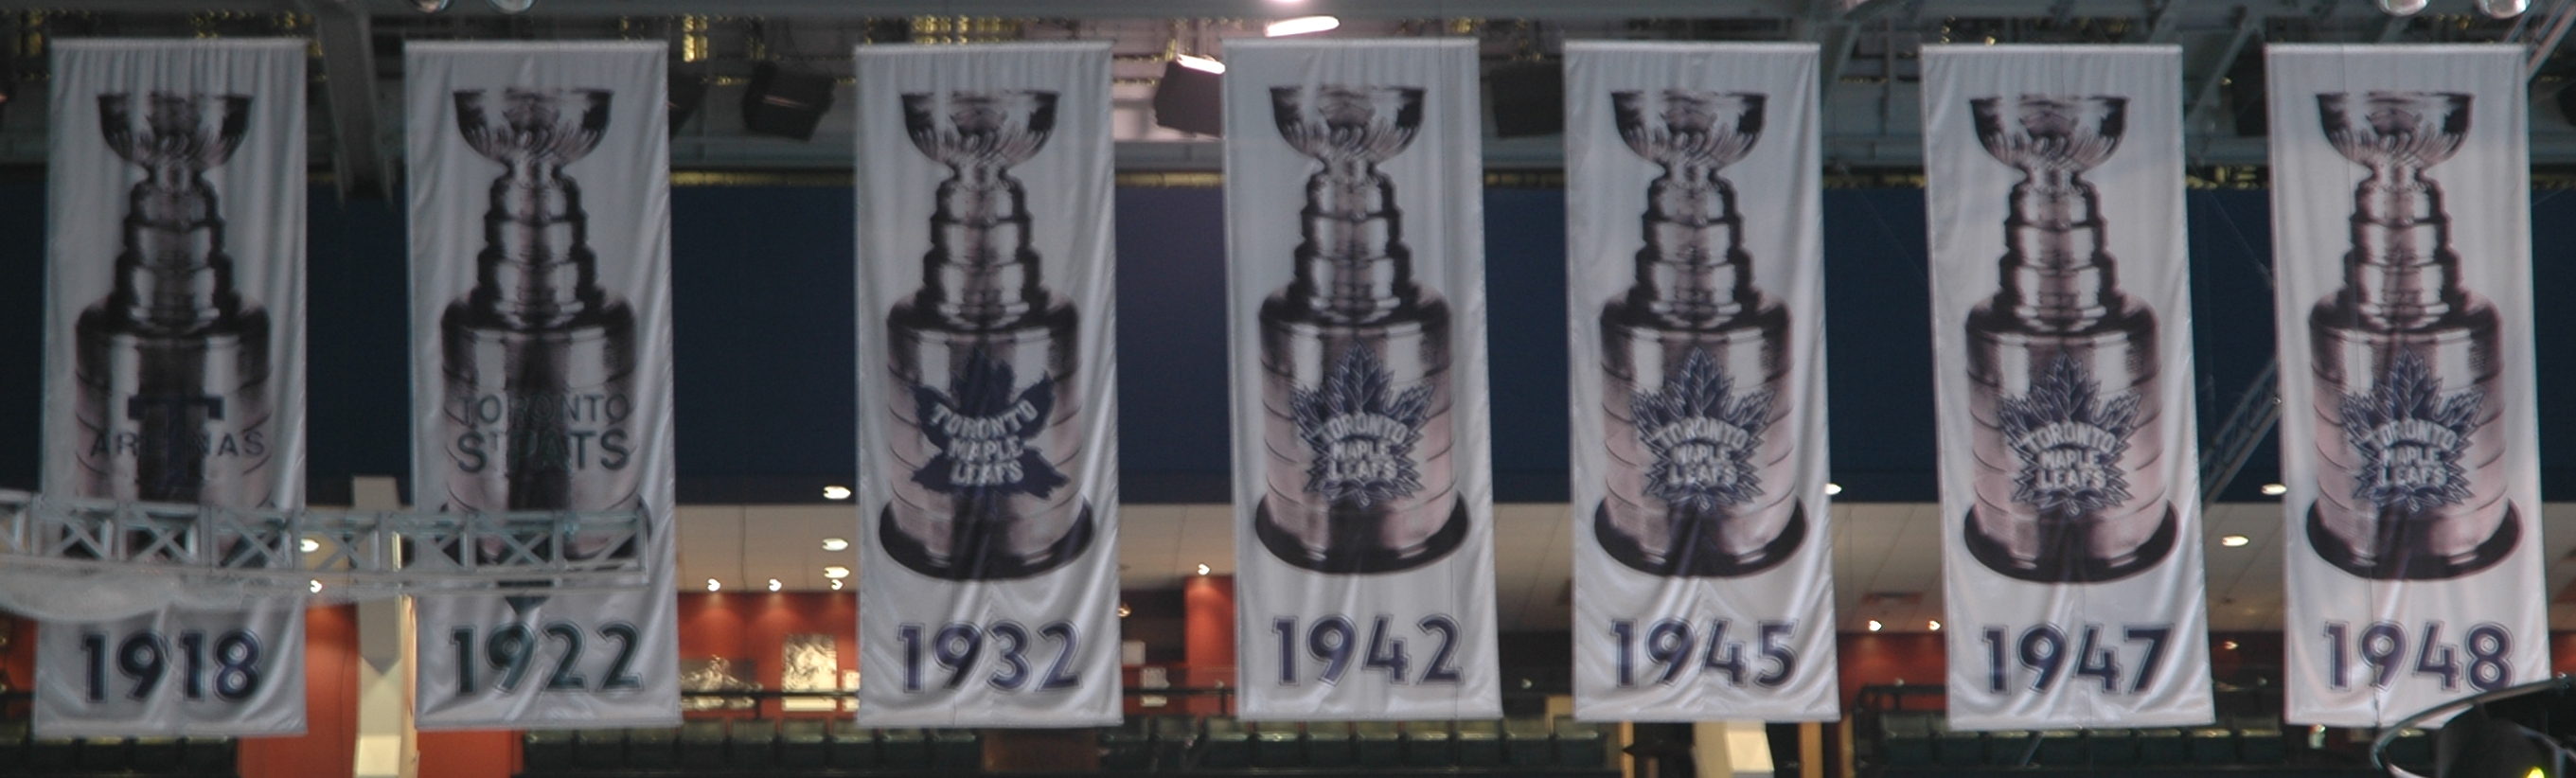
x,y
1702,436
1362,438
2069,441
2411,437
982,429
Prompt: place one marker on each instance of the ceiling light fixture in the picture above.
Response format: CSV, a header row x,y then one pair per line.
x,y
835,544
1301,26
713,586
2233,541
1199,63
1123,610
1832,488
1203,569
2275,490
836,584
309,545
836,492
1874,626
835,572
1935,624
317,586
774,585
2229,645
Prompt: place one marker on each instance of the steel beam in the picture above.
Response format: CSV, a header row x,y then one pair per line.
x,y
2205,94
349,81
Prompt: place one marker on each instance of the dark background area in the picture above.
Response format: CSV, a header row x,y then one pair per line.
x,y
765,342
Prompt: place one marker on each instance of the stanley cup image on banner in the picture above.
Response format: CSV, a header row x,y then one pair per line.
x,y
2411,482
986,412
174,362
2061,303
540,221
2063,363
1357,354
2401,207
1355,282
1695,359
539,360
988,483
1695,294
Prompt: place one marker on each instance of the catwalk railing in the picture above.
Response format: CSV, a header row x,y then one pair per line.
x,y
47,541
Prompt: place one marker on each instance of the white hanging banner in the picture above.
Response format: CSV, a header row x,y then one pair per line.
x,y
541,371
1703,587
174,365
988,387
2401,230
1362,483
2061,321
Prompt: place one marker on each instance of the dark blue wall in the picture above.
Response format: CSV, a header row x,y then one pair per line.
x,y
764,337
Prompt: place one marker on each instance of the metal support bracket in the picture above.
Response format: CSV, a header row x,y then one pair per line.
x,y
2255,413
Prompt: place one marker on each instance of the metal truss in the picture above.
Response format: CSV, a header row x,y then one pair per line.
x,y
380,552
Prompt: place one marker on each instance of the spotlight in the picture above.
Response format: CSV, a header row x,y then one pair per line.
x,y
1203,569
1304,25
1123,610
836,544
308,545
317,585
2228,645
1874,626
429,6
774,585
2275,490
512,6
2233,541
836,584
1186,100
836,572
1936,625
1832,488
713,586
836,492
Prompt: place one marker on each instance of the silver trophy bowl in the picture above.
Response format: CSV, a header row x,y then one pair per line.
x,y
1680,128
2063,133
1342,123
979,130
2395,129
176,131
533,127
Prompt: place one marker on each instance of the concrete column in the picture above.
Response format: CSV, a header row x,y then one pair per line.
x,y
1731,749
386,748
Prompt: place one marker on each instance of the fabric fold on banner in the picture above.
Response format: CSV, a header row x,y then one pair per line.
x,y
2061,321
541,373
1702,583
987,387
2402,235
1363,486
174,366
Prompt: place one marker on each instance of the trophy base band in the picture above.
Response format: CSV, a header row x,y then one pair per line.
x,y
1351,553
982,556
2063,560
2414,561
1698,554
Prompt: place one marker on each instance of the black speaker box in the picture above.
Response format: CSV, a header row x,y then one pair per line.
x,y
1528,99
785,102
1187,100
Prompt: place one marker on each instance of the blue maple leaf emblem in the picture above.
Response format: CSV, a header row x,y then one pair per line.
x,y
982,429
1702,437
2069,440
2411,437
1361,437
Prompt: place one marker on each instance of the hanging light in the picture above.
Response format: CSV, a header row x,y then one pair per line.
x,y
1300,26
2402,7
2503,9
512,6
